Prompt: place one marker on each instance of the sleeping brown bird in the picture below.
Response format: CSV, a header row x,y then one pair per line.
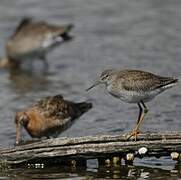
x,y
32,40
49,117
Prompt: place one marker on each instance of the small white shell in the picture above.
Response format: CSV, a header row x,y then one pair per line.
x,y
142,150
174,155
130,157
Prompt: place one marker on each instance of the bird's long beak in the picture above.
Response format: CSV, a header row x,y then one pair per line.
x,y
18,132
95,84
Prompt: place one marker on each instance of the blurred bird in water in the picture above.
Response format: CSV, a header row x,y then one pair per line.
x,y
135,86
32,40
49,117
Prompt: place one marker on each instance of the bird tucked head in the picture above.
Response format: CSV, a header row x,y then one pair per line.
x,y
21,118
8,63
4,62
106,78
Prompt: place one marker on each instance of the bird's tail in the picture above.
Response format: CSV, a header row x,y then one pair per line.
x,y
168,83
83,107
65,35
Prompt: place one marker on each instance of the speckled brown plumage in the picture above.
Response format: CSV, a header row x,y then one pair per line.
x,y
136,80
49,117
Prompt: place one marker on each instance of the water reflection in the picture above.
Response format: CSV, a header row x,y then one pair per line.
x,y
119,172
25,81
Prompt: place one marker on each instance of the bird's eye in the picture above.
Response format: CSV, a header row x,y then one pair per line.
x,y
104,77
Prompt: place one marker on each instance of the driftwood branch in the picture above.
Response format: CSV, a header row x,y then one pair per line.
x,y
158,144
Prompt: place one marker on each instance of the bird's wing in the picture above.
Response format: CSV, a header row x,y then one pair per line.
x,y
134,80
56,107
23,23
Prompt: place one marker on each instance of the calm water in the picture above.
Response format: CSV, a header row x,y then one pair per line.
x,y
142,34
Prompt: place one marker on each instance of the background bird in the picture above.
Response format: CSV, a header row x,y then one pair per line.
x,y
32,40
49,117
134,86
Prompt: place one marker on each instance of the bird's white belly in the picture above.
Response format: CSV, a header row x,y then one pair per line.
x,y
51,42
135,96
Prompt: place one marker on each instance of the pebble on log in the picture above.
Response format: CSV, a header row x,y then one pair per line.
x,y
176,156
129,157
142,151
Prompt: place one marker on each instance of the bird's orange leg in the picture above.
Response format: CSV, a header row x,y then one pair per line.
x,y
142,114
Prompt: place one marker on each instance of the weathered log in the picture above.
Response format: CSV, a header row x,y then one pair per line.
x,y
89,147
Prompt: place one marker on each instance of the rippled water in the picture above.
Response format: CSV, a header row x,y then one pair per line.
x,y
142,34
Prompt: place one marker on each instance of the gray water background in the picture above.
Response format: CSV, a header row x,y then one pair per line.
x,y
137,34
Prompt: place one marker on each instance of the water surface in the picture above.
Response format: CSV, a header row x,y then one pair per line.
x,y
142,34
